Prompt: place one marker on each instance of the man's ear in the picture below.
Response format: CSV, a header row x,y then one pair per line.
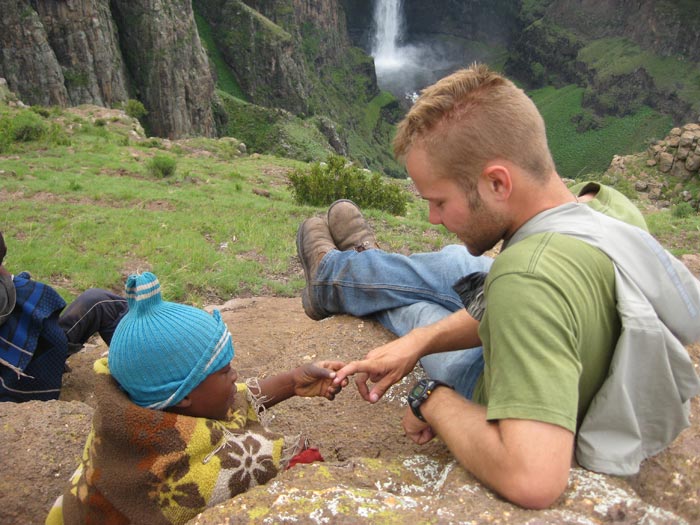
x,y
185,403
497,180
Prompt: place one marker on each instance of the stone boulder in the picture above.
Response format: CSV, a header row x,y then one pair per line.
x,y
372,473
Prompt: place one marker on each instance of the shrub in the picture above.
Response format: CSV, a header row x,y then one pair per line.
x,y
5,134
41,111
57,135
682,210
324,183
28,126
135,109
161,166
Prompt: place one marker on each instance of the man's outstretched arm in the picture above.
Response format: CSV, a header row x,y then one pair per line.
x,y
525,461
388,364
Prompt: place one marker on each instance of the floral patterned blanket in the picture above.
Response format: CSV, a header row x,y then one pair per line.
x,y
149,466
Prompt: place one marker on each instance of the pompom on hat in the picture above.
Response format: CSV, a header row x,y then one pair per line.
x,y
161,351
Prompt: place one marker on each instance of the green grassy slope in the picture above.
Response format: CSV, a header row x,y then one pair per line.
x,y
577,154
80,208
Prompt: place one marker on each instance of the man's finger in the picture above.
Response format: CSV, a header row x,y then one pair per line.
x,y
350,369
361,384
379,389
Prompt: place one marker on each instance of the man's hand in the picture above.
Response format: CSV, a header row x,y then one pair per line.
x,y
317,379
419,431
387,364
384,366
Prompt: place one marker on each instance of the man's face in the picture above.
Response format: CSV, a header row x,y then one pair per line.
x,y
477,225
213,397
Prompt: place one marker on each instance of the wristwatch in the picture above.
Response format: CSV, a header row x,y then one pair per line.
x,y
420,392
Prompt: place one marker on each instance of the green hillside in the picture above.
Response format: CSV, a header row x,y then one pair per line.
x,y
87,200
579,153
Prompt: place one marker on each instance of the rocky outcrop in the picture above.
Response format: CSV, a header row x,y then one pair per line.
x,y
27,60
623,94
667,29
547,52
84,39
418,490
278,50
262,54
168,65
678,154
544,54
93,51
664,176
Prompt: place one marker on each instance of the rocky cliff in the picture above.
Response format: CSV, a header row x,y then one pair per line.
x,y
167,64
623,51
295,55
261,52
282,52
298,55
291,55
93,51
666,28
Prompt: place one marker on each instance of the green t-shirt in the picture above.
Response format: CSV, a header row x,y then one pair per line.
x,y
550,325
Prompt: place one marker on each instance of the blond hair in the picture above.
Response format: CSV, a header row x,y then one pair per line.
x,y
471,117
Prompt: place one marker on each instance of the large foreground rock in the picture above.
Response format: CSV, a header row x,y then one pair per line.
x,y
372,472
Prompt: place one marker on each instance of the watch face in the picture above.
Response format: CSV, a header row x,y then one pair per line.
x,y
418,389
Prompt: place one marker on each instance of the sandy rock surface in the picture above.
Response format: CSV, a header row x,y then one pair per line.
x,y
372,473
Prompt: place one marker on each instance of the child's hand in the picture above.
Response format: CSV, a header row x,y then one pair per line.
x,y
317,379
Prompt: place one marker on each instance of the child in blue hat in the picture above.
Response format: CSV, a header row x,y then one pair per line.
x,y
173,433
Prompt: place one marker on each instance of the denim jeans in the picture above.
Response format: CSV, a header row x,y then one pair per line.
x,y
402,293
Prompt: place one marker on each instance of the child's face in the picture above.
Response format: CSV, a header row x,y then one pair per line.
x,y
213,397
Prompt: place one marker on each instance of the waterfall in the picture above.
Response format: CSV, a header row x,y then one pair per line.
x,y
400,67
388,21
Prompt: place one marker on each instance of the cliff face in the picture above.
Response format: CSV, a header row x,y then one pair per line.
x,y
262,54
83,37
168,65
277,49
27,61
552,43
666,28
98,52
298,55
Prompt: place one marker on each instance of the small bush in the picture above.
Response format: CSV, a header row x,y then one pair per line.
x,y
324,183
28,126
162,166
41,111
682,210
152,142
135,109
5,134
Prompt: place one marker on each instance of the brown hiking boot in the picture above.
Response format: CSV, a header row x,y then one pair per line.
x,y
349,228
314,240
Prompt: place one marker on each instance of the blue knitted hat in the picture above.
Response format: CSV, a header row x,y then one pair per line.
x,y
160,350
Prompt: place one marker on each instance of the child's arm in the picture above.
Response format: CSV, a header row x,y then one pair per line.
x,y
306,381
